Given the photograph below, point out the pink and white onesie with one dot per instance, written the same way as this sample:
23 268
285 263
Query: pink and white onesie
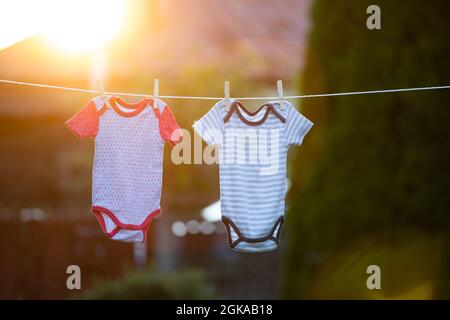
128 161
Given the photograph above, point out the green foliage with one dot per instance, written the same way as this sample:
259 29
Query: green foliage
150 285
344 274
384 159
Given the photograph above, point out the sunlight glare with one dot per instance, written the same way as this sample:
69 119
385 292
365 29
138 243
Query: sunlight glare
80 25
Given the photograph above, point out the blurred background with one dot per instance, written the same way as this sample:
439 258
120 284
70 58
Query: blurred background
369 186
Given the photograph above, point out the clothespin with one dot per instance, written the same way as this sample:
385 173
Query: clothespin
155 93
227 94
280 93
104 95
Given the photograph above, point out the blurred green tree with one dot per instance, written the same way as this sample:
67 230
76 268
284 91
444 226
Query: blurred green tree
190 284
384 160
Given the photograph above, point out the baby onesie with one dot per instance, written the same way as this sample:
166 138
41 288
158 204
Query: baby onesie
252 164
128 161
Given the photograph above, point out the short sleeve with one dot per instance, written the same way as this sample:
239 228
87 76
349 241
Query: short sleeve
84 123
297 126
169 129
211 126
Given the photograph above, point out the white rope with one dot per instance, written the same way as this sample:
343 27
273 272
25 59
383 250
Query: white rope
220 98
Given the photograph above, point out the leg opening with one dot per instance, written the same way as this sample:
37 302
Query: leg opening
117 230
233 232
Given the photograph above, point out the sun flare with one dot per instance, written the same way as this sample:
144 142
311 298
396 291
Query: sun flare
80 25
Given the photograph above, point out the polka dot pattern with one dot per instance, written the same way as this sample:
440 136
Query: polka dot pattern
85 123
128 163
169 126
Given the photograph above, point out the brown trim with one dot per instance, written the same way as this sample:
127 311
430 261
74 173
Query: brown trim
237 106
275 237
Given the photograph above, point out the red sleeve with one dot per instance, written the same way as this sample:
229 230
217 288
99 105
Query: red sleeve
84 123
168 127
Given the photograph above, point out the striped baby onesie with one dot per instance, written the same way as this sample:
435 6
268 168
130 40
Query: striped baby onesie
252 163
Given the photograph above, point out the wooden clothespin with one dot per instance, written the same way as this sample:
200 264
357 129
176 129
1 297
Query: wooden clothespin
155 93
280 93
104 95
227 95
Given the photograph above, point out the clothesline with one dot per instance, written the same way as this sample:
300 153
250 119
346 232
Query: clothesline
351 93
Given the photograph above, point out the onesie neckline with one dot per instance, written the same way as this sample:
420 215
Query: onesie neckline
137 107
237 106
